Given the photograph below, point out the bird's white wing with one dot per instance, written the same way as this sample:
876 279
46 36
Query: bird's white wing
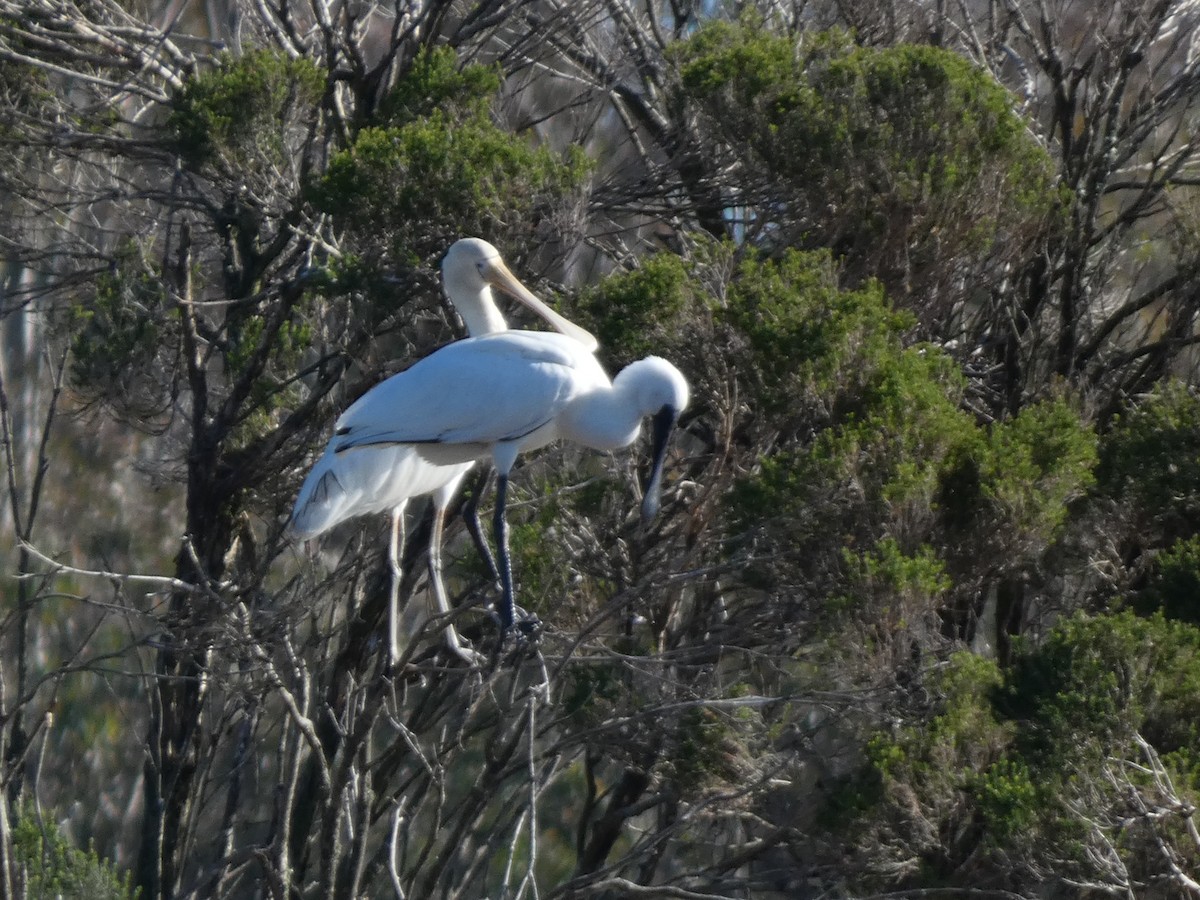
477 391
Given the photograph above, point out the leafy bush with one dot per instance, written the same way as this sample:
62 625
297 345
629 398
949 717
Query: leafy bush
633 313
1174 584
909 162
1041 772
1020 476
1150 459
808 337
436 167
123 337
233 114
53 868
1095 681
913 806
435 84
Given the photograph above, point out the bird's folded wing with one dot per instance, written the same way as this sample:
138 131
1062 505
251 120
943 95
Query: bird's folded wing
476 391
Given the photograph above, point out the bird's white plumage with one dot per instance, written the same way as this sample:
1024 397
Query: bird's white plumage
385 468
342 486
493 395
484 390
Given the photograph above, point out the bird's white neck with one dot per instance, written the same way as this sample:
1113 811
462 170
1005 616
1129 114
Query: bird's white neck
603 420
610 417
479 312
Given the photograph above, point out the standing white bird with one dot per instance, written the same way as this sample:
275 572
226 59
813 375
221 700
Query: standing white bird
384 477
497 395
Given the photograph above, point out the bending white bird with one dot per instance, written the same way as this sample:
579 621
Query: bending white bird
384 477
497 395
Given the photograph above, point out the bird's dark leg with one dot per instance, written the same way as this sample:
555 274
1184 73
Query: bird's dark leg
500 527
529 624
470 514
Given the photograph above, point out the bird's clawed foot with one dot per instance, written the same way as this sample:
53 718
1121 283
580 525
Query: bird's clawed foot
529 627
522 634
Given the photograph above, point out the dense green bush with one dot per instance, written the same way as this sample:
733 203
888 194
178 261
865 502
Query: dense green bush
1150 460
434 167
1174 583
51 867
1033 772
908 162
124 335
233 116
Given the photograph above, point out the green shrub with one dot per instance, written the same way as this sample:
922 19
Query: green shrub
1150 459
434 166
632 313
435 84
122 332
53 868
908 161
1095 681
232 114
1037 769
1174 584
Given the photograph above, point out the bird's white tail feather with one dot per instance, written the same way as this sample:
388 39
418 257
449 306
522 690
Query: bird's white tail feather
363 481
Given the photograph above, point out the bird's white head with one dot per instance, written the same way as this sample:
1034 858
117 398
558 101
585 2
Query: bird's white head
471 268
655 384
661 392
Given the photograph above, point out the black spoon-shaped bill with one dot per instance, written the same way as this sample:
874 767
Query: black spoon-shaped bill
663 423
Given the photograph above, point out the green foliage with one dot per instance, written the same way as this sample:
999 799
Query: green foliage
438 166
436 84
920 120
399 179
888 569
864 428
895 434
1024 472
631 313
901 158
873 458
1150 459
888 415
1003 767
233 112
1007 798
1096 680
1174 587
56 869
1043 457
962 734
927 771
121 334
807 336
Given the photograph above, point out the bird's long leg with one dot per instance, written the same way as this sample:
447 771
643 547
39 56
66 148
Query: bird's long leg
470 514
435 580
500 527
395 547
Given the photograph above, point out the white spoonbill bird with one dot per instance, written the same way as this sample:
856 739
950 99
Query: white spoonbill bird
385 476
497 395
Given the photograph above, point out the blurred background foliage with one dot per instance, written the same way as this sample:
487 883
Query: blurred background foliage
919 614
